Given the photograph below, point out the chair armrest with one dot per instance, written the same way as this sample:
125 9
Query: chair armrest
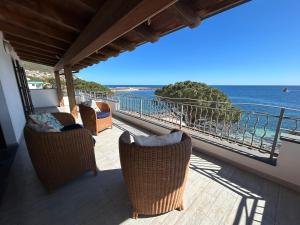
64 118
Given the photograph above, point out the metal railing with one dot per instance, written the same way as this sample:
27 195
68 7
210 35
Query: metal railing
255 126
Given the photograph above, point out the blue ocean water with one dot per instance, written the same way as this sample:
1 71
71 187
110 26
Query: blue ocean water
267 95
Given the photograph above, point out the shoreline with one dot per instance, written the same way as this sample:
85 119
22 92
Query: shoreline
127 89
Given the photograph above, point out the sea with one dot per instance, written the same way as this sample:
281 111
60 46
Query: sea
261 99
260 95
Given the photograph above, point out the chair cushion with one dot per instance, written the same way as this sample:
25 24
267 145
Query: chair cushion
46 119
92 104
101 115
152 141
71 127
39 127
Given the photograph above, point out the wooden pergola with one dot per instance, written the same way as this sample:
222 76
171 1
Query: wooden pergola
71 35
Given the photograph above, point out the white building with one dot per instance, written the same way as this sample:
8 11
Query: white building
35 84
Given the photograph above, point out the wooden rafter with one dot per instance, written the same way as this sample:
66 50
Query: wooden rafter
146 33
39 61
30 23
34 49
49 12
122 44
28 43
36 54
111 22
20 32
188 16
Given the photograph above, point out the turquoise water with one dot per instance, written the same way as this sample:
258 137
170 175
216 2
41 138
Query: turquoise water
260 98
269 95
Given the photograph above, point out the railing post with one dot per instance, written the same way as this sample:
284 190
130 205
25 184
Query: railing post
141 108
181 117
277 132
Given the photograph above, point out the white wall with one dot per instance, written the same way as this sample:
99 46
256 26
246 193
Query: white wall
44 98
12 117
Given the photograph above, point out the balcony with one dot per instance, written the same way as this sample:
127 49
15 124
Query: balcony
216 193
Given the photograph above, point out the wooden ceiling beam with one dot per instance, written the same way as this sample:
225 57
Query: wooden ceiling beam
92 5
30 48
28 43
122 44
48 12
18 31
38 61
108 52
146 33
35 24
111 22
98 57
89 61
186 14
36 54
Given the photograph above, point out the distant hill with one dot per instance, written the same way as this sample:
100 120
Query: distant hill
38 67
43 73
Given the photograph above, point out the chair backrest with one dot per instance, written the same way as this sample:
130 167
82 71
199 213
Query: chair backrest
103 106
152 173
88 116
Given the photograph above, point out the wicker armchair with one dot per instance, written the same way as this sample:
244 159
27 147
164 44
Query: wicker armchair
89 118
155 176
58 157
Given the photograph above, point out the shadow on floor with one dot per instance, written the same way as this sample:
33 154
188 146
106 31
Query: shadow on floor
258 198
89 199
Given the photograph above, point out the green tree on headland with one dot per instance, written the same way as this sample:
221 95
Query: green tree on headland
200 101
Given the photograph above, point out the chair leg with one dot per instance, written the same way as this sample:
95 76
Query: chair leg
135 215
180 208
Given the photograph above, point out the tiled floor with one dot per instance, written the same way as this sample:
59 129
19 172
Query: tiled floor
216 193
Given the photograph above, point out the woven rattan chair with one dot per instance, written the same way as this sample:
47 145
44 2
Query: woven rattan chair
155 176
58 157
89 117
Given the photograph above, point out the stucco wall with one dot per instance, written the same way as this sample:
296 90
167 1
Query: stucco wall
44 97
11 113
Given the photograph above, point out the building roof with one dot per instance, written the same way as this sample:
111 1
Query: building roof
80 33
35 82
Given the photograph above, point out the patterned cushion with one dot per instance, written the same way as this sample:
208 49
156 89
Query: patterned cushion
47 119
101 115
39 127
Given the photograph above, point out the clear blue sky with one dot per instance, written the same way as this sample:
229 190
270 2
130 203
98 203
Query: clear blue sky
255 43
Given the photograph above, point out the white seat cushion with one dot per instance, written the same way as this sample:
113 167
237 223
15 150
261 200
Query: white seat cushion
92 104
152 141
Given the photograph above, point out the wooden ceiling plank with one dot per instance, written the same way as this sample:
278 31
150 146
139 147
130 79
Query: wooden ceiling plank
33 48
49 12
122 44
36 25
108 52
33 44
28 59
32 36
146 33
186 14
37 53
30 55
110 22
98 57
92 5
